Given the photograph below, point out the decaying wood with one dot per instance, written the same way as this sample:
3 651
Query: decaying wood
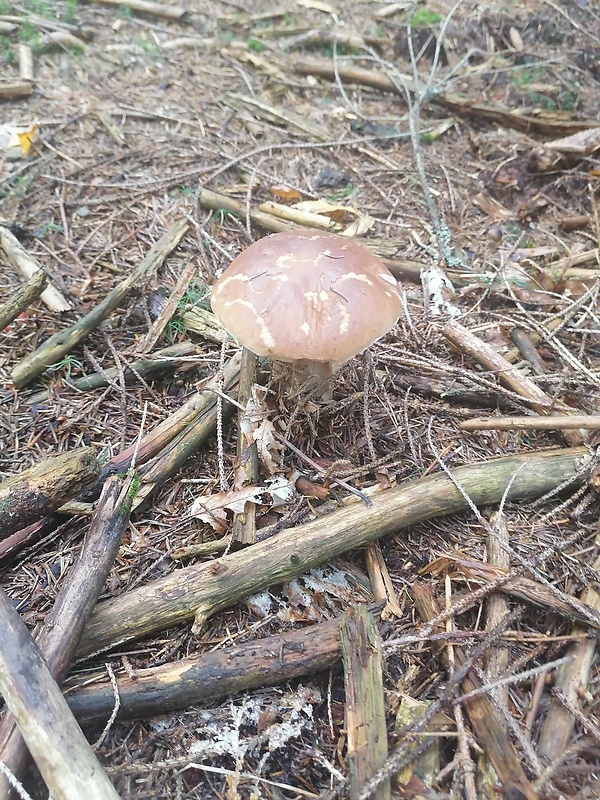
522 588
365 706
209 677
497 605
201 590
458 104
20 259
205 324
27 535
23 298
165 360
572 680
381 581
37 491
15 89
485 354
62 628
487 727
589 422
61 343
63 756
244 523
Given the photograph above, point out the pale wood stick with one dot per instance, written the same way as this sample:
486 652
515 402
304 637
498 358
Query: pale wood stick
554 422
25 62
23 298
572 680
19 258
497 605
35 492
163 10
485 354
365 706
305 218
55 740
244 523
15 89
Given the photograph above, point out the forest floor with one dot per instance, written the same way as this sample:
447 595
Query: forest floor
460 143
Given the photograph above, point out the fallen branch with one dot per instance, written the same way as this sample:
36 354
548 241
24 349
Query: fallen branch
525 589
20 259
23 298
488 729
484 354
206 678
63 756
458 104
165 360
162 10
15 89
365 706
58 345
37 491
571 683
203 589
63 626
589 422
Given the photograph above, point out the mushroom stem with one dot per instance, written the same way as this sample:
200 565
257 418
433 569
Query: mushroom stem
311 373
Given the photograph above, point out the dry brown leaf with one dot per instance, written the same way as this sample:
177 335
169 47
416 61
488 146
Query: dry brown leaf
213 508
285 193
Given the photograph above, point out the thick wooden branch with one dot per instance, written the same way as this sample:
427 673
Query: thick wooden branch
365 705
209 677
37 491
203 589
63 756
63 626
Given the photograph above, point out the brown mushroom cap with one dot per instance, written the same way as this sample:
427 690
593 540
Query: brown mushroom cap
306 295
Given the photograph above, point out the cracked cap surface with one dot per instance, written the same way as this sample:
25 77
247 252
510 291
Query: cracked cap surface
306 295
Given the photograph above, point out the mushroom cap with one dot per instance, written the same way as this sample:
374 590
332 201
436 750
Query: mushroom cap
306 295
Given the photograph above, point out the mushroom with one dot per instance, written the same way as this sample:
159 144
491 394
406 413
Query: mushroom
306 297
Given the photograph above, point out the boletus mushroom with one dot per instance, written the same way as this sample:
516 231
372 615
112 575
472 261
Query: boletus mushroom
310 298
